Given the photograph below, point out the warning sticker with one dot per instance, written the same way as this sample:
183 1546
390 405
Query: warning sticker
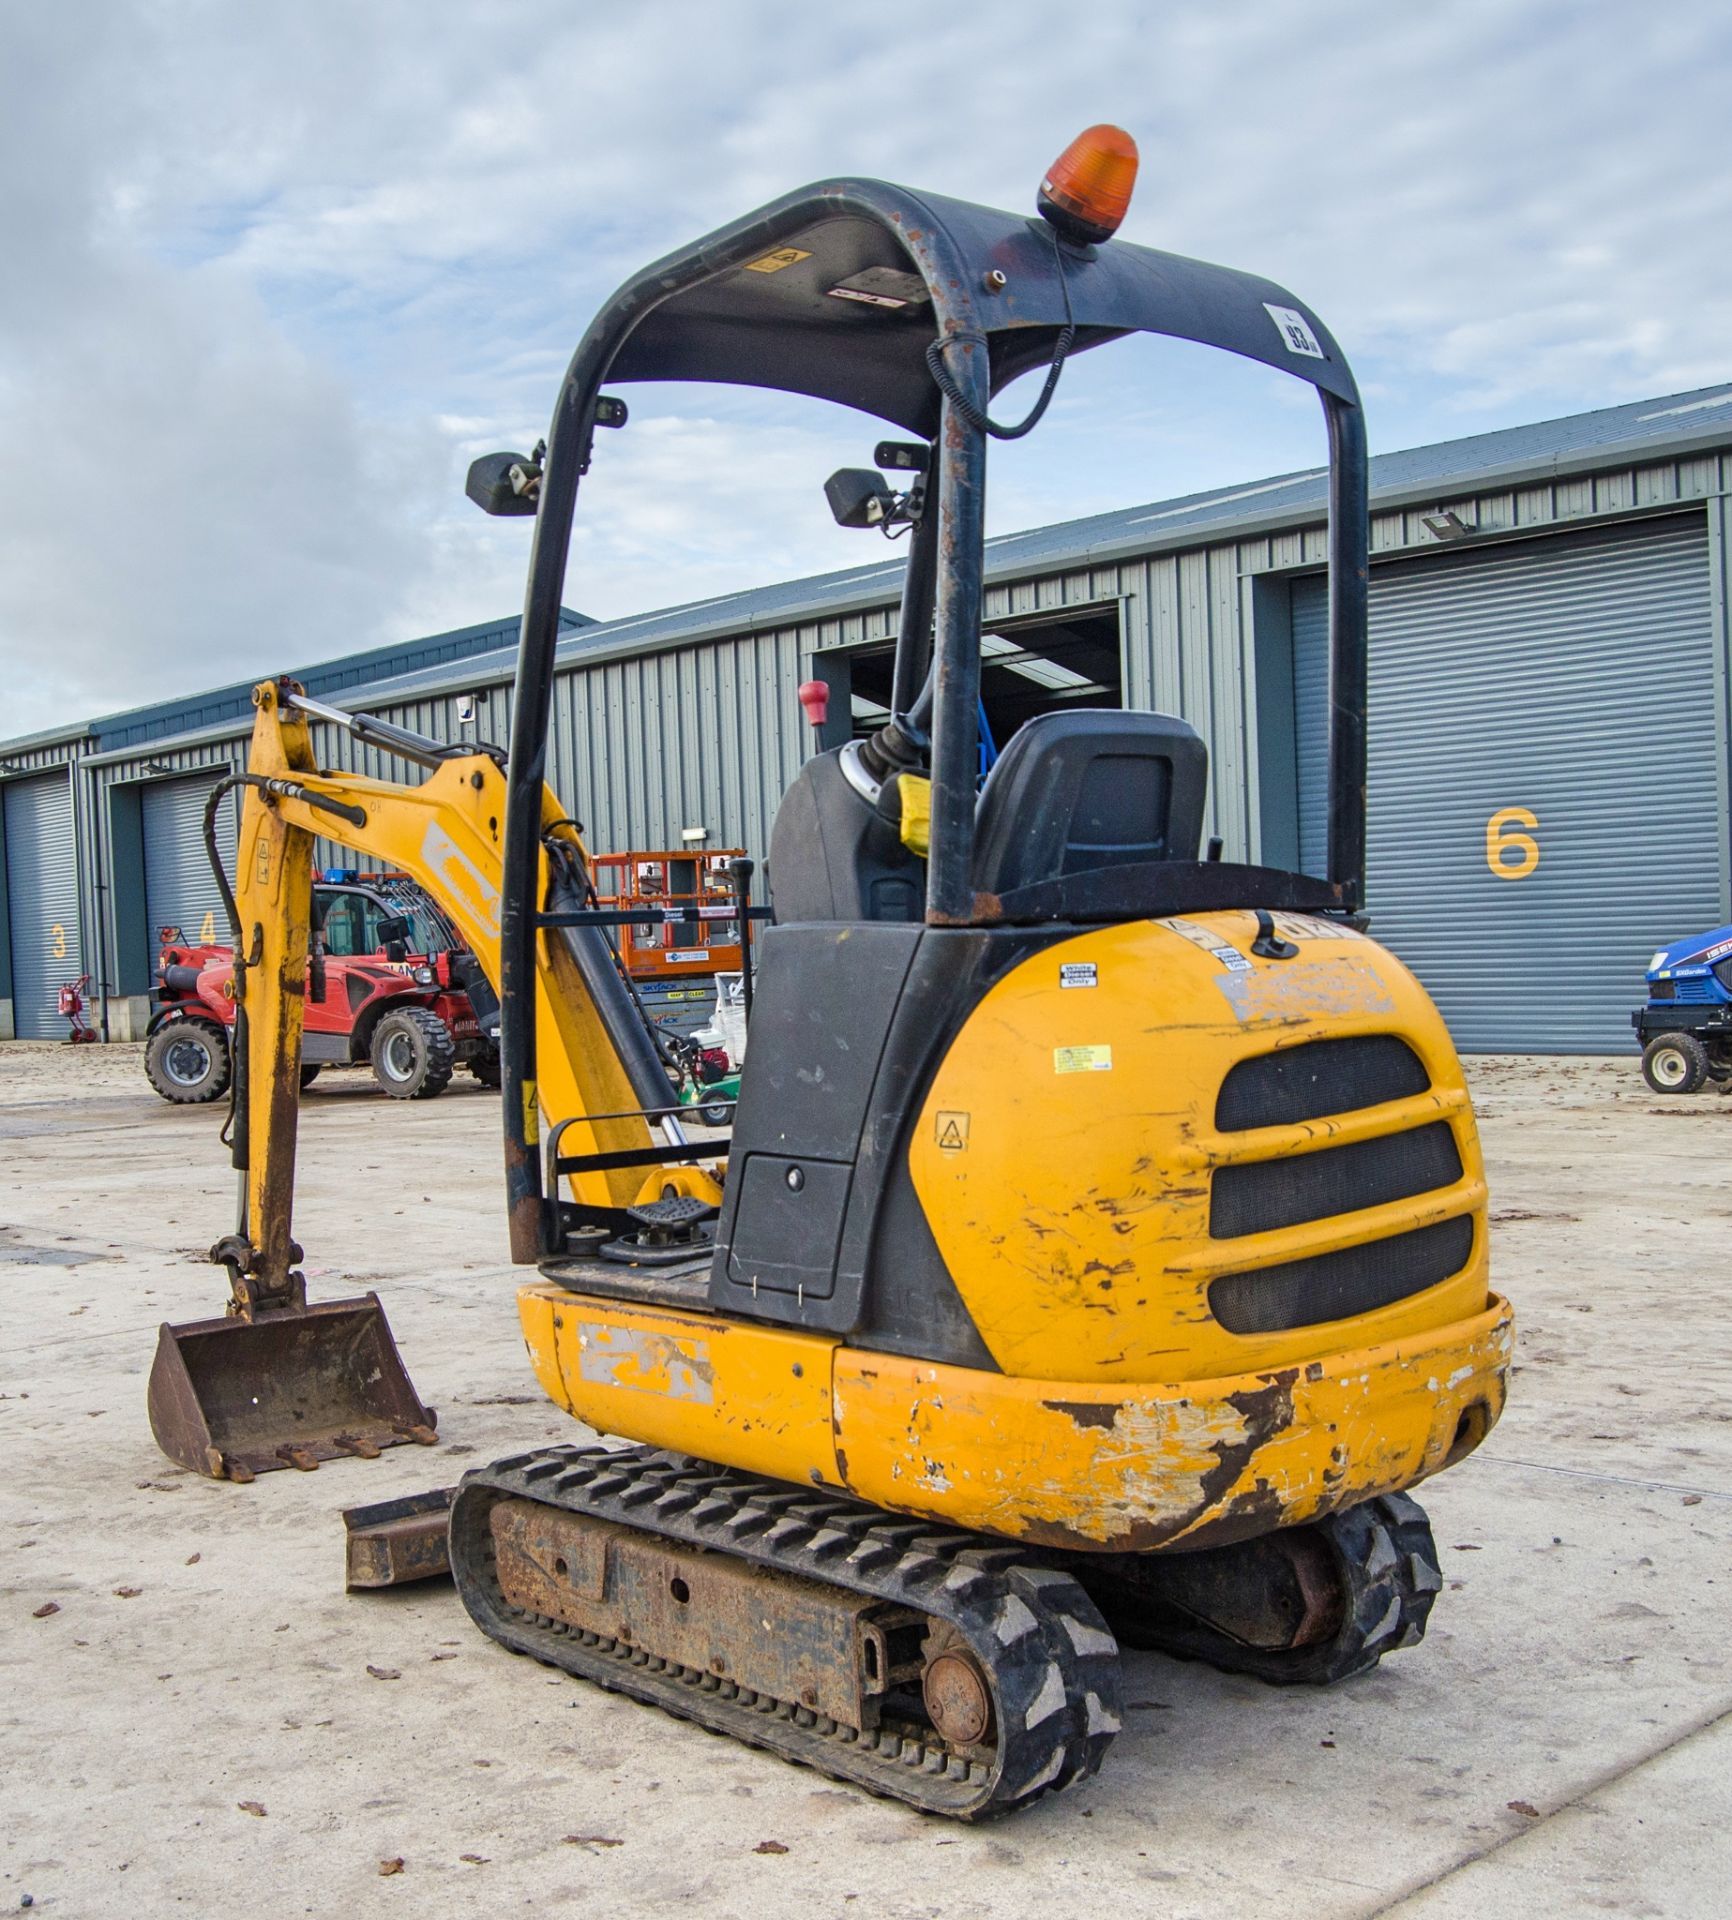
1078 973
1295 331
952 1132
882 287
1082 1059
775 262
1231 959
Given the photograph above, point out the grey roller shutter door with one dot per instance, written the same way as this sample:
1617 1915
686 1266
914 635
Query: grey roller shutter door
42 902
179 888
1573 678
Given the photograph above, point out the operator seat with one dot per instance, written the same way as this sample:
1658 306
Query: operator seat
1089 788
1071 791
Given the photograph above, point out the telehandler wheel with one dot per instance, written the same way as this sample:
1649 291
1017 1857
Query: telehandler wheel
1675 1063
486 1067
188 1062
310 1074
413 1054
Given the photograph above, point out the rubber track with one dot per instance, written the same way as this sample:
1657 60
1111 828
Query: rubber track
1388 1567
1053 1665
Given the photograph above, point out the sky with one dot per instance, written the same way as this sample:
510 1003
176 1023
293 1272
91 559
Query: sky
271 277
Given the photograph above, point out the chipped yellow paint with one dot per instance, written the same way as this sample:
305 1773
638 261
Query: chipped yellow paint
756 1397
1076 1226
1099 1466
1138 1467
637 1361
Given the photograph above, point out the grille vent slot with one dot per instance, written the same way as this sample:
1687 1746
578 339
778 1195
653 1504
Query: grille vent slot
1340 1286
1316 1079
1265 1194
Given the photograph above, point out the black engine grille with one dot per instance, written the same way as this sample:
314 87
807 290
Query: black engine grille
1265 1194
1662 989
1318 1078
1337 1286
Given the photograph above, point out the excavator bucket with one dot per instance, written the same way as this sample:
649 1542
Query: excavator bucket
242 1396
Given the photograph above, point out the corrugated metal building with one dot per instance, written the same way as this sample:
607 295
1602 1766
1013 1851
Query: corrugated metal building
1549 778
101 831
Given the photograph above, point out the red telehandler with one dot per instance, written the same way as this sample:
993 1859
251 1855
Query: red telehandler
389 985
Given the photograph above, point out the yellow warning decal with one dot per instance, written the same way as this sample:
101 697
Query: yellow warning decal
1082 1059
531 1114
952 1132
775 262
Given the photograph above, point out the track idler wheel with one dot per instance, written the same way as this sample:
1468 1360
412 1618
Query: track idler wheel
1304 1606
956 1691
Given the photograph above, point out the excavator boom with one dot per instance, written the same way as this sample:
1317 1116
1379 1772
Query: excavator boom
277 1382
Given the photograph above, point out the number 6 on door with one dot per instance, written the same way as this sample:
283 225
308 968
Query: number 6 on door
1502 841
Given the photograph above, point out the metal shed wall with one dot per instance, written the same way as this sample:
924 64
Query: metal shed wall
698 725
711 734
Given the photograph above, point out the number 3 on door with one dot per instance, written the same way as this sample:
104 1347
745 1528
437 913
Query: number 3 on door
1511 855
57 936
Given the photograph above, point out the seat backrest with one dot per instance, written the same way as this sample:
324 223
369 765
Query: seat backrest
1089 788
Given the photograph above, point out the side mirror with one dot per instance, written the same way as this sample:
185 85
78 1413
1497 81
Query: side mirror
504 483
858 497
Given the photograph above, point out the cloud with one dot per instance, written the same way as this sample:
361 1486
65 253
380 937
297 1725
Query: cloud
272 276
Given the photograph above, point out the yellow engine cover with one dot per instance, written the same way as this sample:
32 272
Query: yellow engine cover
1065 1158
1065 1154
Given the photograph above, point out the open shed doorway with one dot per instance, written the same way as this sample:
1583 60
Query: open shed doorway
1027 667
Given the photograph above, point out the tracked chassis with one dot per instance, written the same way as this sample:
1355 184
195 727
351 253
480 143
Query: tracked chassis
959 1674
954 1604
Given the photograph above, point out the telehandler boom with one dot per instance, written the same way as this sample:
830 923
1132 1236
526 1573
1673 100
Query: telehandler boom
1099 1254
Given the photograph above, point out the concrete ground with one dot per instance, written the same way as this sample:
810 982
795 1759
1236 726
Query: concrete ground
206 1724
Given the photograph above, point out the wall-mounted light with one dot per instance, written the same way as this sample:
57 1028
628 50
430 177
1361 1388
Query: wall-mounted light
1445 524
694 835
156 767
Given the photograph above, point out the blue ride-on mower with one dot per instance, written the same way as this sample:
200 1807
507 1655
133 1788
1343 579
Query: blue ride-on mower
1685 1029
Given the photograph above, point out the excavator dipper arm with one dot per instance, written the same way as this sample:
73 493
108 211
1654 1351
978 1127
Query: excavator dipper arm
279 1382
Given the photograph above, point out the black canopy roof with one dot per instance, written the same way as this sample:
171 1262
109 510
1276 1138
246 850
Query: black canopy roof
856 277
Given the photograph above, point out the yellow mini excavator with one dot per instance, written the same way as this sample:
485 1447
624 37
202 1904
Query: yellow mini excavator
1098 1254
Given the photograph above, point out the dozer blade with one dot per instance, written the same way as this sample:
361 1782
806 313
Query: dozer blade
238 1397
394 1542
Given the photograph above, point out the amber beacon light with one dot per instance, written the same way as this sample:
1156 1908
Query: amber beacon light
1087 190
